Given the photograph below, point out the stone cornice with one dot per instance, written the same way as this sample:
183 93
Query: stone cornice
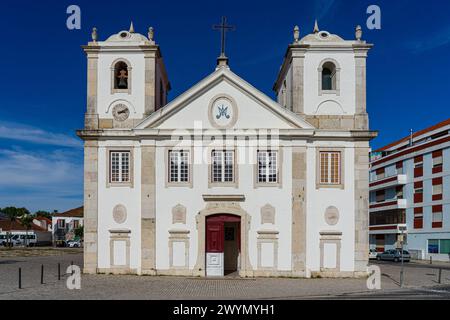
120 231
223 198
138 48
284 134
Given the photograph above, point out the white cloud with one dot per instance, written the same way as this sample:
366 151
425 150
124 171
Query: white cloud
16 131
41 180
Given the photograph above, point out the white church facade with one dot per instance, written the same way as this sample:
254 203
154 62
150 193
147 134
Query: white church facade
223 179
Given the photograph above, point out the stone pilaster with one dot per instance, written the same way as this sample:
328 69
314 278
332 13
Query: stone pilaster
298 69
299 211
361 206
148 214
90 207
150 82
361 117
91 117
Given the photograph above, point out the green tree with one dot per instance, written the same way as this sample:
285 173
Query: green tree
11 213
22 212
42 213
79 232
27 221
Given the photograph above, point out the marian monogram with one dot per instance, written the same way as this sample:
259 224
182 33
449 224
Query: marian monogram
223 111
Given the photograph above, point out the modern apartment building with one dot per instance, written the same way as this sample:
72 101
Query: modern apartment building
410 186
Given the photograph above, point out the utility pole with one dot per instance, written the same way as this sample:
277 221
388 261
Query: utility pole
403 230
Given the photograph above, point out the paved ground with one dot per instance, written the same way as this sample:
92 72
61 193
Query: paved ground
36 252
420 283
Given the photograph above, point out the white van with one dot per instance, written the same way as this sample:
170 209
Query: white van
29 239
18 239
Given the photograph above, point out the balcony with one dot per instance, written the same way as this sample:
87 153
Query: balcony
386 229
388 205
393 181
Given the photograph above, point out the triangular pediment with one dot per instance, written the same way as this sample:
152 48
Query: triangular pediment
223 100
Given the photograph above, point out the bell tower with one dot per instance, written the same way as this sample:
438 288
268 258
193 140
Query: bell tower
323 79
127 79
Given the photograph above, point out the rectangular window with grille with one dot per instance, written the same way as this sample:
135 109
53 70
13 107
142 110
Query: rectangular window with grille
267 167
120 166
330 168
222 166
179 166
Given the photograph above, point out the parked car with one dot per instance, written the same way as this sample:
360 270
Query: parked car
73 244
373 254
394 255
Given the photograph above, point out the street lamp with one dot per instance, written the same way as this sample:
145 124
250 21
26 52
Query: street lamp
403 230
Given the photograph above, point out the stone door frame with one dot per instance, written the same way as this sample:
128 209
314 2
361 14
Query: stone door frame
228 206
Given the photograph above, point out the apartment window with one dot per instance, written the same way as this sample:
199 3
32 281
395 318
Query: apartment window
330 168
418 218
439 246
418 192
381 173
437 217
267 167
222 166
179 166
75 224
120 166
399 192
418 166
380 196
399 167
437 158
438 161
437 189
418 162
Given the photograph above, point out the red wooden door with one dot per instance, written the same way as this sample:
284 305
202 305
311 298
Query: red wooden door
215 237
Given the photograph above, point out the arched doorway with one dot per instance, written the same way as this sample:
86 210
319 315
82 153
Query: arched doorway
223 245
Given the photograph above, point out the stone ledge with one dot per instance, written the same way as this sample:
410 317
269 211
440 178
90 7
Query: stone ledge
339 274
223 198
117 271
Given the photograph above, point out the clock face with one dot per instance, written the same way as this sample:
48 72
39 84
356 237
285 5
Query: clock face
223 112
121 112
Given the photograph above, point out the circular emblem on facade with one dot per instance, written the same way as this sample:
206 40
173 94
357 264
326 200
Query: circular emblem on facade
120 214
121 112
223 112
332 216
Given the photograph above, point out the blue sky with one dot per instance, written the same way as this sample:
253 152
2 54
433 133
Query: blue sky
43 89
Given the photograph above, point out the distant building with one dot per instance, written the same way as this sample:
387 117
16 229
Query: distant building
410 185
43 222
65 224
